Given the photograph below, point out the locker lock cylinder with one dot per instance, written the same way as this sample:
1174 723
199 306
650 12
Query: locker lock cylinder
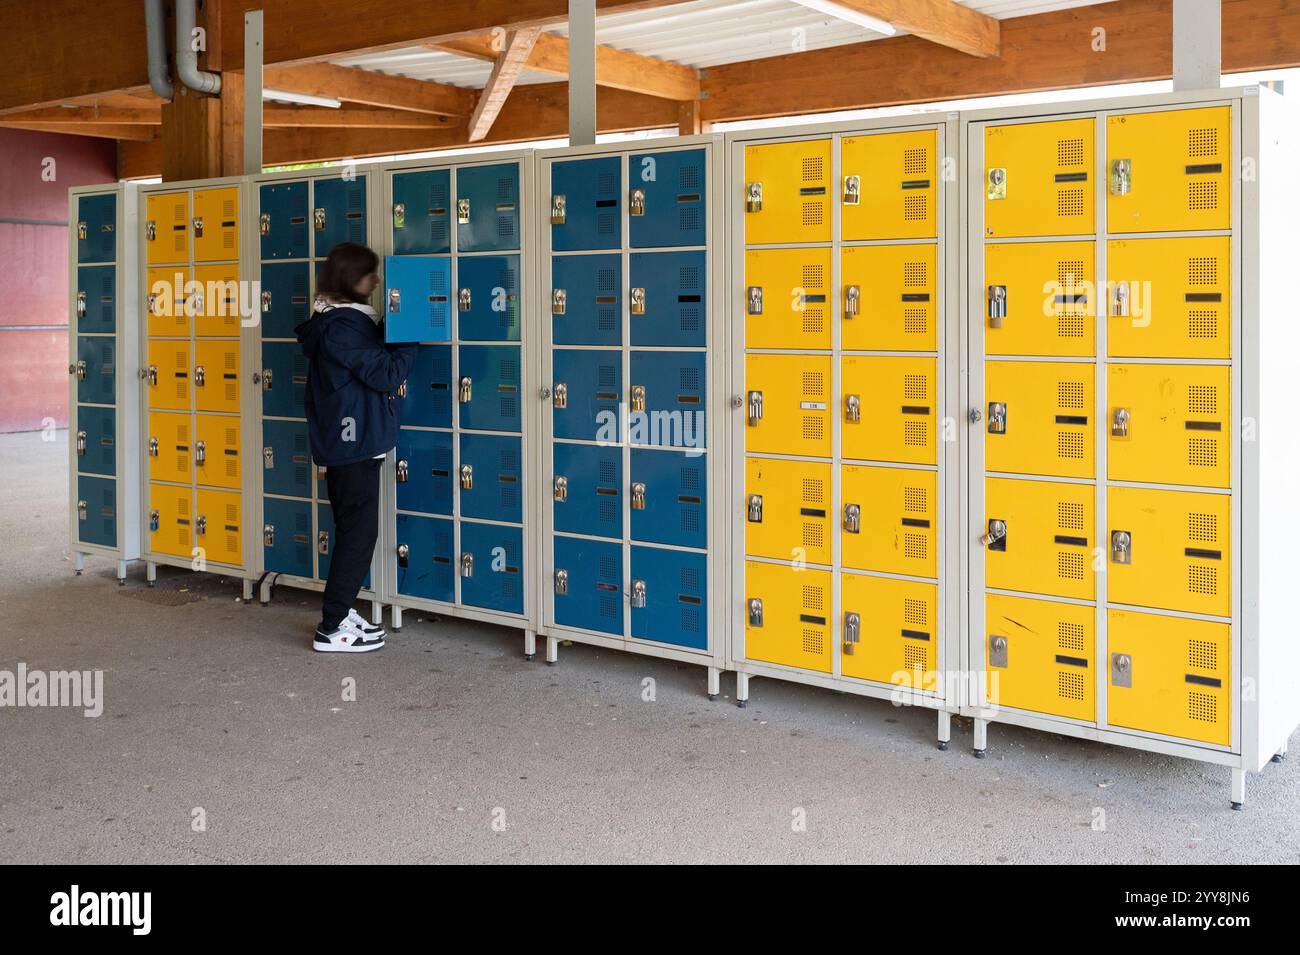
852 518
754 300
637 594
754 608
1121 547
79 369
467 476
403 472
852 300
755 402
403 555
997 532
268 458
997 417
561 582
1121 670
268 535
852 190
1119 422
852 631
638 496
636 203
997 305
755 509
560 488
852 408
559 206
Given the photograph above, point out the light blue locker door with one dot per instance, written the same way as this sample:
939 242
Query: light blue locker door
424 479
286 536
284 380
672 507
588 192
96 385
338 213
668 298
488 387
586 300
417 300
96 301
491 567
672 199
97 510
286 459
325 540
676 604
491 477
588 585
587 490
424 557
97 228
487 207
282 222
286 300
96 439
421 211
487 300
425 399
586 389
674 414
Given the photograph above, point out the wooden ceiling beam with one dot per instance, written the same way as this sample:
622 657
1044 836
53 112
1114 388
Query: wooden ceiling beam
121 131
370 88
945 22
505 72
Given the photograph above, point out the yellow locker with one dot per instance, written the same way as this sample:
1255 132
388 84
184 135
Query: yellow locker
888 409
787 193
216 450
216 224
1170 549
1040 299
1170 424
1170 298
1039 656
788 510
1170 675
787 404
216 307
168 375
889 631
216 375
165 301
1038 537
786 616
888 297
888 520
169 446
1038 418
167 228
1038 179
1169 171
170 520
890 188
788 298
217 527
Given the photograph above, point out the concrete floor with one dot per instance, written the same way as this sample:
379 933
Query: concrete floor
216 706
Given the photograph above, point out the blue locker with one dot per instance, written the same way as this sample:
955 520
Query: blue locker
488 387
97 228
286 459
421 211
668 298
587 300
491 567
667 199
487 301
672 508
286 297
97 510
674 384
417 300
585 393
585 195
96 440
676 604
325 543
96 385
588 585
423 471
282 223
286 536
339 214
587 490
284 380
96 298
424 557
425 399
487 207
494 477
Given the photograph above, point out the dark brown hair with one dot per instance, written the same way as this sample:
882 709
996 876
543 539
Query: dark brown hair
347 265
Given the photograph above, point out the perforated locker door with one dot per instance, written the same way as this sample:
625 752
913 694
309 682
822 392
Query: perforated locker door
889 520
897 416
1039 179
171 520
488 387
786 192
97 384
491 566
215 224
425 563
424 471
1039 656
674 385
97 228
586 207
586 300
588 584
788 298
888 297
1040 298
284 380
1170 424
492 488
889 631
216 375
667 199
338 213
1047 544
1039 418
96 300
668 491
791 518
587 489
586 391
96 440
218 526
1170 298
168 375
417 299
792 399
787 616
216 450
164 301
676 607
217 311
487 207
424 399
421 211
282 221
97 519
286 460
890 186
1170 675
167 228
668 298
286 537
170 459
285 301
487 298
1169 171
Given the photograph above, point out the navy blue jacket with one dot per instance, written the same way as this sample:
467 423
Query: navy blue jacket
351 408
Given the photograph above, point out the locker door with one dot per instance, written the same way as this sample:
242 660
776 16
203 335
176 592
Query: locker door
492 488
417 300
285 299
1170 298
422 212
282 223
96 440
216 450
668 298
168 375
669 601
890 187
216 375
787 192
286 462
896 417
587 490
488 298
216 224
787 298
889 520
1170 549
217 312
1040 656
667 202
96 300
669 496
786 616
1038 418
888 297
586 211
325 540
286 536
1039 179
1169 171
170 520
424 478
889 631
487 207
1040 298
787 510
1046 547
165 301
1170 424
98 383
587 300
488 387
167 229
788 405
97 228
218 526
588 584
284 380
97 511
424 558
338 214
586 392
674 387
424 399
169 445
491 567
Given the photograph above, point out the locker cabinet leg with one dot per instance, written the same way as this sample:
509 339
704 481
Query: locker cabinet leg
530 644
742 690
264 594
78 563
376 612
945 729
121 573
248 590
397 618
1238 788
981 738
715 682
552 651
151 574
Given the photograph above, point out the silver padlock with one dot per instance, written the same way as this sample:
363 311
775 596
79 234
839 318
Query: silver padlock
267 379
561 582
997 417
852 518
755 510
638 398
998 651
852 631
462 211
852 300
1121 300
638 301
82 508
997 531
199 376
754 607
323 542
153 447
1121 670
403 555
638 496
81 304
81 443
198 227
1119 422
560 488
559 206
852 408
150 230
754 197
996 298
636 203
264 223
200 452
559 301
466 299
201 525
399 215
266 300
1121 177
467 564
394 301
754 401
637 595
560 395
466 389
81 371
318 218
150 374
1121 547
754 300
403 472
852 190
268 458
268 535
467 477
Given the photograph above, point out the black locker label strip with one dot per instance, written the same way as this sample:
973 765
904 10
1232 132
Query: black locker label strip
916 184
1071 541
689 499
688 599
915 634
355 215
689 197
688 399
1203 680
1071 661
1203 297
916 296
1079 419
813 299
812 512
606 203
689 299
915 522
813 191
1070 177
606 299
297 220
810 618
1203 425
608 588
1200 553
1203 169
607 491
916 409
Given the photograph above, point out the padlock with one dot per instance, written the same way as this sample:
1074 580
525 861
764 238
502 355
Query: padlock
638 496
153 517
466 389
151 374
560 488
1121 300
200 452
268 458
754 300
995 535
1121 177
199 376
81 443
462 211
561 582
1119 422
81 231
852 190
403 472
267 379
467 564
81 371
465 298
638 398
755 608
201 525
264 224
560 395
318 218
852 630
852 300
637 595
997 183
852 408
996 297
81 304
403 555
754 401
755 510
558 207
636 203
82 509
638 301
323 542
467 477
268 535
754 197
266 300
401 389
198 227
1121 547
559 301
153 447
394 301
399 215
997 417
150 230
852 518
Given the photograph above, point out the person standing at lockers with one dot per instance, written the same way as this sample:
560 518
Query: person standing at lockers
352 422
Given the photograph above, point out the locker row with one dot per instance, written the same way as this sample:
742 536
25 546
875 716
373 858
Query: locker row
288 543
203 301
200 225
202 375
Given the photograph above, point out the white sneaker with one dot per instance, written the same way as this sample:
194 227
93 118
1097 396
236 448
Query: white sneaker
371 630
348 638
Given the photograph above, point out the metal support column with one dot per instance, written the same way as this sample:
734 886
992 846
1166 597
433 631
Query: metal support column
582 72
253 93
1198 44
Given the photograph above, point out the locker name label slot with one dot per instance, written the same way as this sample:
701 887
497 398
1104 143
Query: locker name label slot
809 618
1072 661
915 634
1203 680
1202 554
812 406
916 409
1203 425
1070 177
1203 169
1071 541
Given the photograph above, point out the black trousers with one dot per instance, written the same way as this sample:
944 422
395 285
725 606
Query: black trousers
354 499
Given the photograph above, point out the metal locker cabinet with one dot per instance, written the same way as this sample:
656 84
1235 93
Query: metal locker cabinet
487 207
1046 542
491 477
586 208
1170 298
787 612
169 446
588 584
167 228
487 300
286 460
218 525
1169 171
1170 675
286 537
491 566
1040 298
889 520
1039 179
97 377
668 491
170 520
424 466
284 380
167 375
421 212
890 186
215 224
1170 424
282 222
217 307
286 301
424 557
788 299
417 299
97 228
788 405
216 450
96 440
671 586
895 416
669 387
1038 418
787 510
667 298
586 393
487 388
424 399
787 192
325 540
888 297
889 631
1040 656
586 490
216 375
1171 550
164 297
667 200
338 213
96 300
97 510
586 300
